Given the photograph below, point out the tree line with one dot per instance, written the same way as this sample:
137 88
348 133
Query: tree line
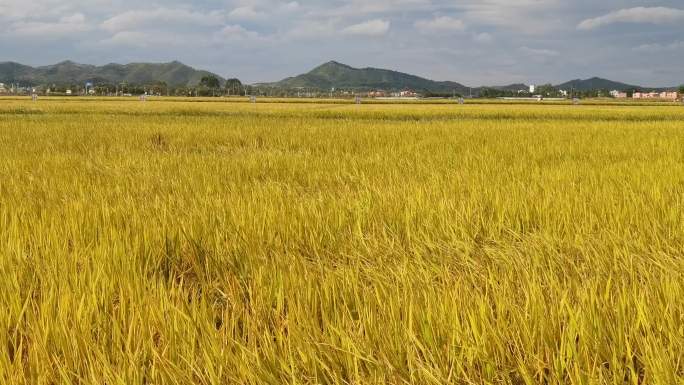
207 86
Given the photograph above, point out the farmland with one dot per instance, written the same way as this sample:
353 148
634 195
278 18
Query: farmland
180 242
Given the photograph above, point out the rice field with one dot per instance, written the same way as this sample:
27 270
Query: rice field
223 242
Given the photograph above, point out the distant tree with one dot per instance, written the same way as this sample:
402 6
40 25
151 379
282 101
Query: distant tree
234 86
435 94
548 90
185 91
489 93
100 89
681 89
210 82
159 88
251 90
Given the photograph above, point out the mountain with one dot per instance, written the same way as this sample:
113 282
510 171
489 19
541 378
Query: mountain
595 84
338 75
175 74
11 70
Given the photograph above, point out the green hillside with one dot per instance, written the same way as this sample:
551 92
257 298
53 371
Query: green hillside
338 75
175 74
595 84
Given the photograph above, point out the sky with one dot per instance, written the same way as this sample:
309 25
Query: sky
474 42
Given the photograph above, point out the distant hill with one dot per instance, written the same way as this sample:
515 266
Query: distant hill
596 84
338 75
323 77
175 74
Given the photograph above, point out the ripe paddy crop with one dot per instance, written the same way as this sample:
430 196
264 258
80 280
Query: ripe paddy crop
178 242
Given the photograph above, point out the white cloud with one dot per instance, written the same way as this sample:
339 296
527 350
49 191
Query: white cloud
65 26
527 16
128 38
139 39
245 13
484 38
674 46
148 39
289 7
76 18
312 30
377 27
165 17
539 52
236 32
652 15
42 9
441 24
356 8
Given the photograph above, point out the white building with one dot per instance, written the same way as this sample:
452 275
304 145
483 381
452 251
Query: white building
671 95
533 88
3 90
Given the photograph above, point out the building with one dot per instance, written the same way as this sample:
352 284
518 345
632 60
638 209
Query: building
3 90
646 95
669 95
377 94
408 94
533 88
618 94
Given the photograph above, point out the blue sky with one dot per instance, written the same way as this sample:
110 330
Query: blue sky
475 42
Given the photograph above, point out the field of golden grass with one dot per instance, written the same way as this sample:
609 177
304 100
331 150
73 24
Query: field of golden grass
179 242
